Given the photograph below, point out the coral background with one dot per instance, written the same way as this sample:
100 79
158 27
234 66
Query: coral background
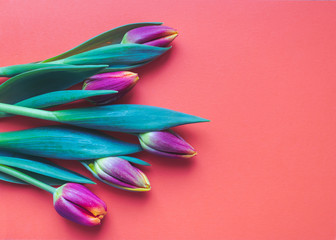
262 72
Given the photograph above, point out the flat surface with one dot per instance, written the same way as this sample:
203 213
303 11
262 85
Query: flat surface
263 72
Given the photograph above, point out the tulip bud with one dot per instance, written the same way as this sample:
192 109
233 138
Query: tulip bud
120 173
159 36
122 82
166 143
77 203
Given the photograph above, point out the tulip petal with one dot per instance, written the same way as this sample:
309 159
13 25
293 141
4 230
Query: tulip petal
82 196
77 203
75 213
121 170
159 36
98 173
165 154
122 82
162 42
105 176
167 141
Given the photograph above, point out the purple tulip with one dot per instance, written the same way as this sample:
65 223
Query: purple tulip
122 82
159 36
121 174
77 203
166 143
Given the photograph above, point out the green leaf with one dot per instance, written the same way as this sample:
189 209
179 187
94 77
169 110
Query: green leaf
65 142
117 56
44 80
57 98
39 168
112 36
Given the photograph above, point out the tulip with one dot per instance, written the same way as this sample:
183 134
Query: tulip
122 82
159 36
71 200
166 143
77 203
119 173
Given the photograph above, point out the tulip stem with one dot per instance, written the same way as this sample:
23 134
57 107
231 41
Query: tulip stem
24 177
28 112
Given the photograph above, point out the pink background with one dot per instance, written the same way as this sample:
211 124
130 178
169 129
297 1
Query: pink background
263 72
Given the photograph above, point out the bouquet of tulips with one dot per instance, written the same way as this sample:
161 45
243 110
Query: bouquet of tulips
102 64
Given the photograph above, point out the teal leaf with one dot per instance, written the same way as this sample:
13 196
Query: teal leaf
13 70
39 168
5 153
61 97
120 68
44 80
129 118
112 36
57 98
65 142
117 56
42 178
127 158
44 168
135 160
